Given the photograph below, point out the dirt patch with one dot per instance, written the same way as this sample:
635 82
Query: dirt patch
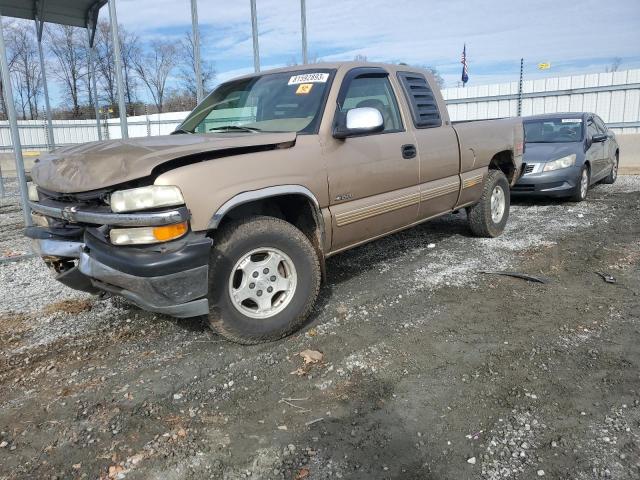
72 307
429 369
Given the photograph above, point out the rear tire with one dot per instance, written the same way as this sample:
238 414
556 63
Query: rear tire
264 278
488 217
582 188
613 175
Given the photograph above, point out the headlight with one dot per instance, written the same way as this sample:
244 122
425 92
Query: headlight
564 162
33 192
143 198
146 235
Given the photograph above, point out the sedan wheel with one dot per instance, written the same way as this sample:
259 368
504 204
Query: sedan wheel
583 187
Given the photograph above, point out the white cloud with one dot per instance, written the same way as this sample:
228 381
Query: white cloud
496 32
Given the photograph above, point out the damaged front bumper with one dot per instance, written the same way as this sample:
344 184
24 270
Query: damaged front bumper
171 278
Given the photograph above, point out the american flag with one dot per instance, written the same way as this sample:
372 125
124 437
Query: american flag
463 61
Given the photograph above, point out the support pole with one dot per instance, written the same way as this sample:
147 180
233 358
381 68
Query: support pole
52 142
303 23
92 79
13 124
117 57
196 51
254 31
520 87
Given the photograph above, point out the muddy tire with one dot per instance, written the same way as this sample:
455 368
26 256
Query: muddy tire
264 278
582 188
488 217
613 175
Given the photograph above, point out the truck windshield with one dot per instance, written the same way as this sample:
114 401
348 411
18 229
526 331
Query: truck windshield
553 130
274 102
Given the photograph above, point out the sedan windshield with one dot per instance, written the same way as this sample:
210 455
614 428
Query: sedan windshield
275 102
553 130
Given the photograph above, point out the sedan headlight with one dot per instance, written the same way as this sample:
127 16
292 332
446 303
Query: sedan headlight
143 198
32 189
564 162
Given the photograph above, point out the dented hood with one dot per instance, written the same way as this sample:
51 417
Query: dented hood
96 165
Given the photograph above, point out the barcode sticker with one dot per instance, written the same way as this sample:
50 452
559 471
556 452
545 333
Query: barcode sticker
309 78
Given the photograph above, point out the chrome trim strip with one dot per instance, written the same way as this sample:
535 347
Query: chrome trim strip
252 195
150 219
57 248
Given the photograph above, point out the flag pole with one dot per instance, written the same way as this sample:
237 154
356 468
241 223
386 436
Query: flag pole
520 88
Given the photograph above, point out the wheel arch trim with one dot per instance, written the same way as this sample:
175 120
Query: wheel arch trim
264 193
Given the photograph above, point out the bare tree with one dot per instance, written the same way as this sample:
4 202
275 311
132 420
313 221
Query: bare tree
105 64
436 74
187 70
155 67
8 28
615 64
311 59
70 63
27 76
433 70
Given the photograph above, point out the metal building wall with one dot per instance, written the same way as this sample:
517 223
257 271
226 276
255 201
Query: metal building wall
615 96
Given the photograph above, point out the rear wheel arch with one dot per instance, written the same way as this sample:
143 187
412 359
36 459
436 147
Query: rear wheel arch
503 161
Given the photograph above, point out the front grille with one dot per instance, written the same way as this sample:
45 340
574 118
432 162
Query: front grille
93 199
529 168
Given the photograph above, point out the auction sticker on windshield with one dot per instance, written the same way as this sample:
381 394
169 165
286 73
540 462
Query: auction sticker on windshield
571 120
309 78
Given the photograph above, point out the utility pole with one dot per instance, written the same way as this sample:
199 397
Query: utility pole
117 56
303 23
520 87
196 50
13 128
254 31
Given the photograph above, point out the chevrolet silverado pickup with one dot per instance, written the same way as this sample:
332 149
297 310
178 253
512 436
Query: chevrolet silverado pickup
233 215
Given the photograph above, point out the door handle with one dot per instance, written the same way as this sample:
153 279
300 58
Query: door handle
409 151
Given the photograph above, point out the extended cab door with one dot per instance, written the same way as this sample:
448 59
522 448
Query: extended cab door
439 180
373 177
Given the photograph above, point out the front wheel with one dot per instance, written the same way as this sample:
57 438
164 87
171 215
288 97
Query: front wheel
582 188
264 278
488 217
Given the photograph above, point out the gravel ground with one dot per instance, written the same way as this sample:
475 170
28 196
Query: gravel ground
431 370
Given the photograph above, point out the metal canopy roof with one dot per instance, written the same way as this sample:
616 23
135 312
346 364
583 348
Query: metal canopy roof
76 13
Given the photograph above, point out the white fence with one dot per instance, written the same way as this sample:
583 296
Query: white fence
34 134
614 96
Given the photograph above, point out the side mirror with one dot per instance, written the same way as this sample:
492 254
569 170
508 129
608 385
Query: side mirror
599 138
358 121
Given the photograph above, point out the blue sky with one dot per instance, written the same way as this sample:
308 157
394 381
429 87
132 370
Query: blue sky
574 36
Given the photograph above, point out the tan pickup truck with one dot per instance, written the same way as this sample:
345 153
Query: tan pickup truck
233 215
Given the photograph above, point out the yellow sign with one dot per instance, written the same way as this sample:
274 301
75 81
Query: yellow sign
304 88
544 66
